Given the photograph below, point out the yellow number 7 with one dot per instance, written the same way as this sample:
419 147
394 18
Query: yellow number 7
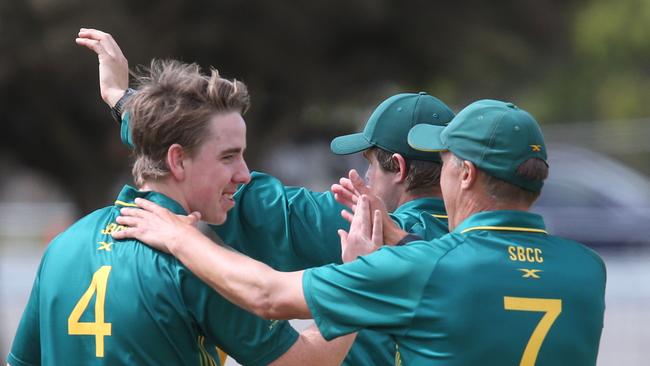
97 328
552 309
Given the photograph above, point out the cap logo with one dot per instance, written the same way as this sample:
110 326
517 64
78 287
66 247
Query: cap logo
536 147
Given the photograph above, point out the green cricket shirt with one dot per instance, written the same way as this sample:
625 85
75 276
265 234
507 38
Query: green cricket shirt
292 228
498 290
425 217
96 301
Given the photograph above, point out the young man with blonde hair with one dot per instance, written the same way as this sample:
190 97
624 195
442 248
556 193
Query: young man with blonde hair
100 301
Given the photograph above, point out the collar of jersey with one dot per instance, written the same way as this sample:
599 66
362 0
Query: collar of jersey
128 195
434 206
512 221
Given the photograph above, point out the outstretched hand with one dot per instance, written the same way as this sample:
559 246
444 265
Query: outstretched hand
365 234
347 193
348 190
113 66
156 226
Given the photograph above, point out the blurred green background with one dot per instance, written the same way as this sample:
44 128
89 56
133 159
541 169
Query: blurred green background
315 69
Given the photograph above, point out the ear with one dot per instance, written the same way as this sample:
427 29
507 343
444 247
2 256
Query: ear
401 165
469 175
175 159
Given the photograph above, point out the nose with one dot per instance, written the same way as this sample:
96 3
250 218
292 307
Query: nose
242 175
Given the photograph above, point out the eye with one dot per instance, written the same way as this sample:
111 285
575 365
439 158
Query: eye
229 157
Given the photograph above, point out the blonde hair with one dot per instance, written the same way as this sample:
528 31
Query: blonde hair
174 104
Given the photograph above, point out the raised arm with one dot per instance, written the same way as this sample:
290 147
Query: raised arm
113 66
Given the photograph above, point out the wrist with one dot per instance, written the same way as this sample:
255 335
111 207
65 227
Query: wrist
117 108
181 243
113 96
394 235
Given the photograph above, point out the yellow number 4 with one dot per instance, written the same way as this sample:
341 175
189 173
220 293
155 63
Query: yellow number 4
97 328
551 309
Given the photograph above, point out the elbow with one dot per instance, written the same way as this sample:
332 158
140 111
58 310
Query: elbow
268 307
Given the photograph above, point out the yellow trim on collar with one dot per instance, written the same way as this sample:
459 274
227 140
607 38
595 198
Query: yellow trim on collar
122 203
440 216
505 228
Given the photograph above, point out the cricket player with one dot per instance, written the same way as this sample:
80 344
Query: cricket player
497 290
293 228
96 301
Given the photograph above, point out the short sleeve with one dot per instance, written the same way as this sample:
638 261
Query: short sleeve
244 336
380 291
288 228
26 348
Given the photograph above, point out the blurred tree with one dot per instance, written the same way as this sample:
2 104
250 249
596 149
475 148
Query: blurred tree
309 65
605 76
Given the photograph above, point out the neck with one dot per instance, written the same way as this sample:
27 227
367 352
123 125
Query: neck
409 196
474 204
170 190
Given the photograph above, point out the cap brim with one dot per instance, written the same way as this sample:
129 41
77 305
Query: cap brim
424 137
350 144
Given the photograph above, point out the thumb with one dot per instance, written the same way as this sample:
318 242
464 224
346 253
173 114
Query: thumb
195 217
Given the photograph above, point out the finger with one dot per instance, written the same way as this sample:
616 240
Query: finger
343 235
361 221
377 229
347 185
129 221
150 206
92 33
196 217
347 215
358 183
91 44
343 196
105 39
127 233
135 212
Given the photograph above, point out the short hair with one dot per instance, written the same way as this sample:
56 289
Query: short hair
421 175
533 169
174 104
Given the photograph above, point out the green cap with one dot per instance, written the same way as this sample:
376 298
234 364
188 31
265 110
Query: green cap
496 136
389 124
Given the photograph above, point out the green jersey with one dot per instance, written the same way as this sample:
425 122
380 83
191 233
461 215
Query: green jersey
292 228
425 217
96 301
498 290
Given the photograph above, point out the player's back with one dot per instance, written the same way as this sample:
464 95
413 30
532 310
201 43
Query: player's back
507 295
113 303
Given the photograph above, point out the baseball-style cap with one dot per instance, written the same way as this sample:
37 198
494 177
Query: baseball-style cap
389 124
496 136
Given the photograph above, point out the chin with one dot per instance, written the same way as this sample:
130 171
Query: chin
215 218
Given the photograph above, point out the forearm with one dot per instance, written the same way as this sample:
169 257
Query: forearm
312 349
246 282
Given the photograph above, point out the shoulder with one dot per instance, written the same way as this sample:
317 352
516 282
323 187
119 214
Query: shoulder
578 251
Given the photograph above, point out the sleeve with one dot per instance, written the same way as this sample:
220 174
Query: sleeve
288 228
380 291
125 131
26 348
244 336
